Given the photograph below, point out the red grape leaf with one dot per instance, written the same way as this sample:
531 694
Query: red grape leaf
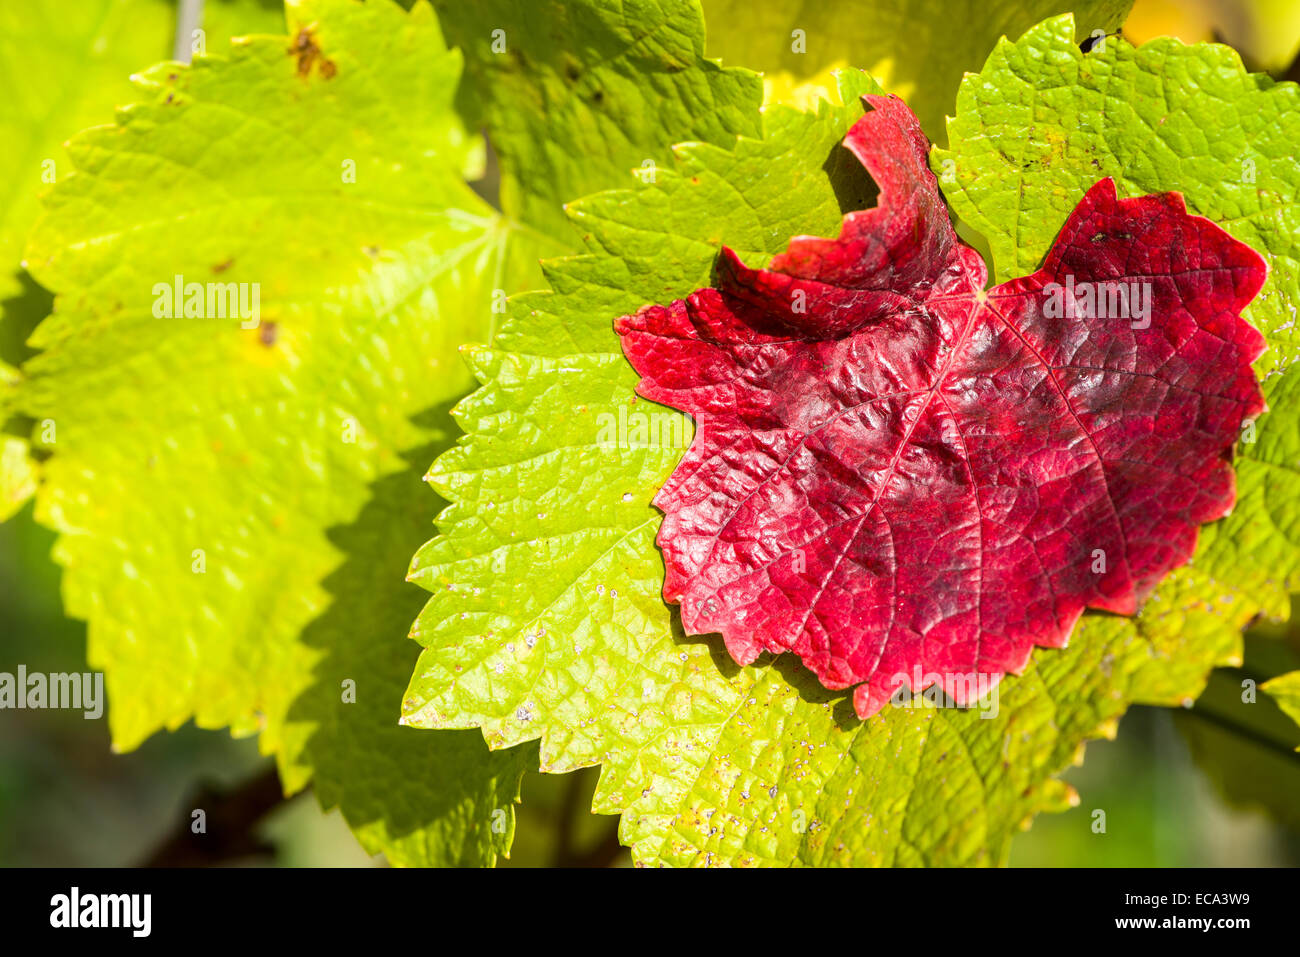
906 479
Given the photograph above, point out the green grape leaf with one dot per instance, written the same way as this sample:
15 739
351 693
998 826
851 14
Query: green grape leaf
546 621
221 486
326 167
223 19
75 68
579 96
66 68
17 475
918 51
1285 690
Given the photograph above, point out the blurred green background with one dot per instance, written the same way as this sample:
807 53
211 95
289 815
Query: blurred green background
1212 785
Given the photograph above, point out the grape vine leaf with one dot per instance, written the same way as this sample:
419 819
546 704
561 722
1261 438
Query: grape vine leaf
223 19
272 651
17 475
902 477
75 67
1285 690
546 621
1044 120
577 96
918 50
207 475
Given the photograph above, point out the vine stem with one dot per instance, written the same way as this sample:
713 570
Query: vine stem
1224 723
189 16
231 819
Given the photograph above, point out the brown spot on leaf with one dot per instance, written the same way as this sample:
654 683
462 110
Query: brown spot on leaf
267 334
309 54
221 267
